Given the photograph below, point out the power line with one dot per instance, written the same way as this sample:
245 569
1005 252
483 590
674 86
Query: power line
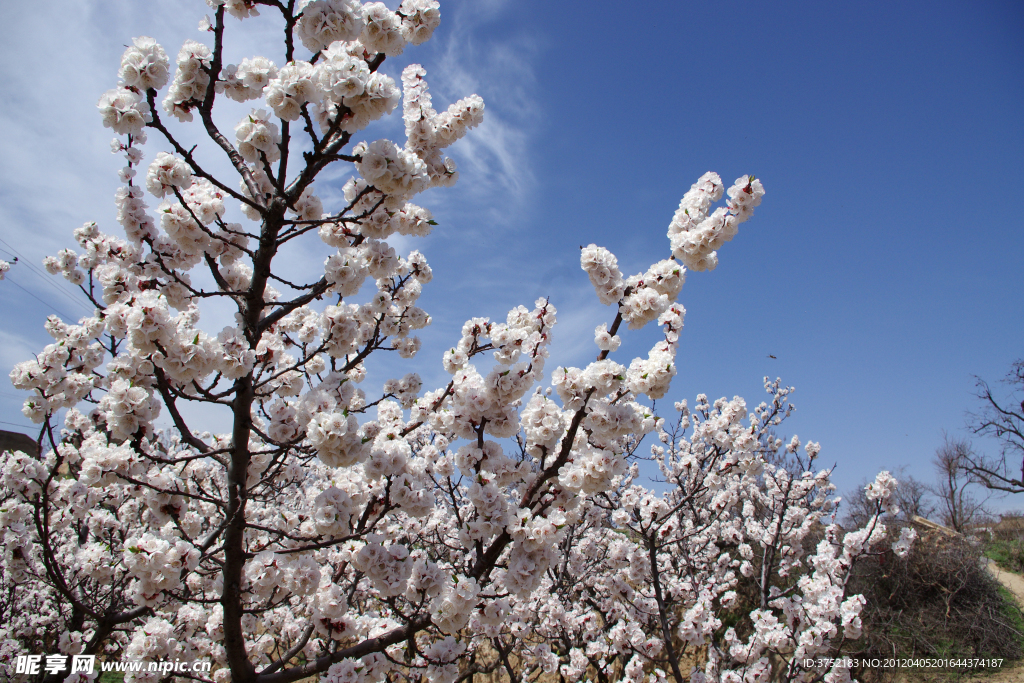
28 263
45 276
48 305
20 258
14 424
49 280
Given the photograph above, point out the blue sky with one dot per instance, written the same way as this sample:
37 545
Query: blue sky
883 270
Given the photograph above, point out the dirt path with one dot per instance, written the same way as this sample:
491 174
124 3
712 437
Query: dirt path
1015 584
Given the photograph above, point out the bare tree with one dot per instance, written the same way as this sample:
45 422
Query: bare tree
958 506
913 496
1003 419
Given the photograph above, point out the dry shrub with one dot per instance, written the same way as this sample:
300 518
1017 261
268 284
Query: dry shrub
1010 527
938 602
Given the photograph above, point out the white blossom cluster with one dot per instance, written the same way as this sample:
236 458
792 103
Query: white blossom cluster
240 9
429 132
695 234
166 173
258 138
356 534
144 65
125 111
324 22
191 80
158 565
248 79
63 374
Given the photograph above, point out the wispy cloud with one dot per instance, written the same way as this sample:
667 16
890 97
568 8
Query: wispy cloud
501 70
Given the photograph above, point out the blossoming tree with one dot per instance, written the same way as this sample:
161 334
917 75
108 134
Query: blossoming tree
397 533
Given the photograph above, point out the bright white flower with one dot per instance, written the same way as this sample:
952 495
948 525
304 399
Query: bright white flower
294 86
327 21
882 488
905 542
419 19
144 65
603 269
390 169
240 9
257 136
125 111
382 31
167 171
604 340
341 74
191 80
